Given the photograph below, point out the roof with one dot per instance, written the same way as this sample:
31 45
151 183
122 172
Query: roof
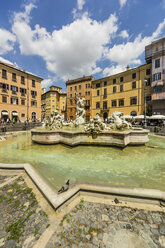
120 73
55 86
84 78
23 71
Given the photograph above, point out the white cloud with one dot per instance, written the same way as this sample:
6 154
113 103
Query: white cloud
129 53
124 34
7 40
46 83
114 69
122 3
70 52
80 4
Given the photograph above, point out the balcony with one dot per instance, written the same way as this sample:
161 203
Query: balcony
158 96
105 109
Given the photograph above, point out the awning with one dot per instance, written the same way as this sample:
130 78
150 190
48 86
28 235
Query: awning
4 113
15 114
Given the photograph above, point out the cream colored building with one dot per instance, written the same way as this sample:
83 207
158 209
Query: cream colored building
53 100
20 94
122 92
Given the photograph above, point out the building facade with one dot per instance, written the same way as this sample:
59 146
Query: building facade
155 54
53 100
81 86
124 92
20 94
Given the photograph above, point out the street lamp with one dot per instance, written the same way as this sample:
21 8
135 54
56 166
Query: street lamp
145 89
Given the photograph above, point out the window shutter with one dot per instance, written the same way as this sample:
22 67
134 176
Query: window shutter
17 89
36 93
7 86
17 101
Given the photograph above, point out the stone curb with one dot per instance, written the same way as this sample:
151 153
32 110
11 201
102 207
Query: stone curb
57 200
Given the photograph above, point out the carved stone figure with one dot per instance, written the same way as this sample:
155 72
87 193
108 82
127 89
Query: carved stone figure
80 111
95 126
56 121
119 122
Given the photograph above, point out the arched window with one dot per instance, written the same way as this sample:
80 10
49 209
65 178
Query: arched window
34 116
4 115
133 113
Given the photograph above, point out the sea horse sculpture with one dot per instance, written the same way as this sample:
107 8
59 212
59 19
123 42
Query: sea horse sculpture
118 122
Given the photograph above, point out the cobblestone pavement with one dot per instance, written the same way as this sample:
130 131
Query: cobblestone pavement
102 225
22 221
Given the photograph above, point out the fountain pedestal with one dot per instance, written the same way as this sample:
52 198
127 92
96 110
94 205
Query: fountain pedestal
106 138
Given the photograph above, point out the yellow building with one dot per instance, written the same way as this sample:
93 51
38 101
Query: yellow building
81 86
122 92
53 100
20 94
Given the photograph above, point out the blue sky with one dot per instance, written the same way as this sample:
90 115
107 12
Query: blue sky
64 39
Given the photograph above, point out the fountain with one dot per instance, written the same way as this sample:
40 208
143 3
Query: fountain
118 133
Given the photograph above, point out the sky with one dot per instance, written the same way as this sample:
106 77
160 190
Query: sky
66 39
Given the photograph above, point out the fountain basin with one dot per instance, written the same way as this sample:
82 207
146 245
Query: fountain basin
106 138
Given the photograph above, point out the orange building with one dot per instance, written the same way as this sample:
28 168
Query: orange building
20 94
81 86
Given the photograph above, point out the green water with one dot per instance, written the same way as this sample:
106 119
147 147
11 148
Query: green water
142 166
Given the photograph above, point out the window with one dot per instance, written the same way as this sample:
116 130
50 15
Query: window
148 98
88 102
79 87
75 87
105 92
98 92
114 81
33 83
14 89
157 76
70 109
148 71
121 88
121 79
88 93
121 102
114 103
114 89
157 63
22 115
33 103
71 102
97 105
22 102
70 95
33 93
89 85
80 94
98 85
4 87
53 106
52 100
14 100
86 86
14 77
4 98
133 101
148 83
4 74
105 105
70 88
134 75
22 91
22 80
133 85
105 83
158 89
